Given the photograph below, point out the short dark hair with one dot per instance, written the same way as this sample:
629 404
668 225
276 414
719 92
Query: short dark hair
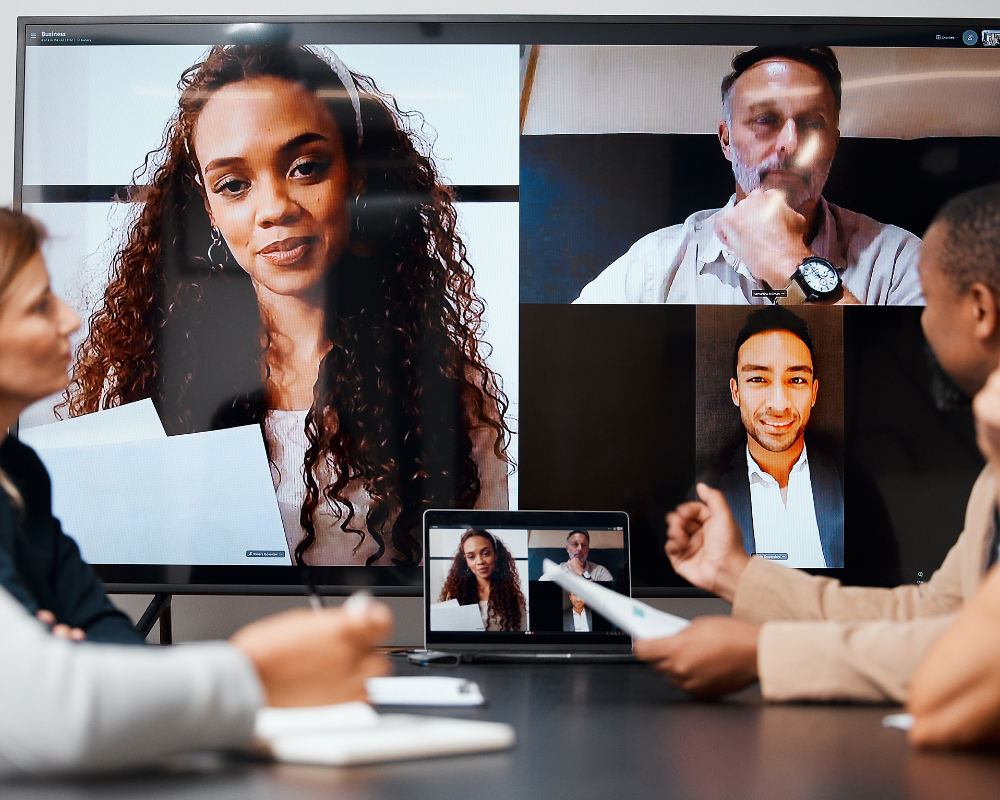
773 318
571 534
972 238
819 57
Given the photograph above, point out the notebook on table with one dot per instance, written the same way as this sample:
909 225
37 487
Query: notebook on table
486 597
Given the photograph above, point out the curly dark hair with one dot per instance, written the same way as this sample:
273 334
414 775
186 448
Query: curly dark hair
405 380
506 597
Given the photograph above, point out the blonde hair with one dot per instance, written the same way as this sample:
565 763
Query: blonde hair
20 240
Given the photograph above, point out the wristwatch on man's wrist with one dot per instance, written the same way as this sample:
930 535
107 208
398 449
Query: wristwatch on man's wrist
586 574
815 281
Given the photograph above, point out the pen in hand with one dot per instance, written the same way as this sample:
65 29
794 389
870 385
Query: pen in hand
315 598
357 603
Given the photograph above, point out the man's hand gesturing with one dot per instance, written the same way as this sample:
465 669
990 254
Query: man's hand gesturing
705 545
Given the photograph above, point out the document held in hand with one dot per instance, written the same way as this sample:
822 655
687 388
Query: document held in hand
632 616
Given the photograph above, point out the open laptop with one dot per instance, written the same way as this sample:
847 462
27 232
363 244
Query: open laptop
526 617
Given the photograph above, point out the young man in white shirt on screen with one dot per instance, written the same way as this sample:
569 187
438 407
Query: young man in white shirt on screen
577 617
787 498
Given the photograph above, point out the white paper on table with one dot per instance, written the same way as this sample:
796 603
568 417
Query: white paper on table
632 616
450 616
273 722
423 690
132 422
199 498
353 733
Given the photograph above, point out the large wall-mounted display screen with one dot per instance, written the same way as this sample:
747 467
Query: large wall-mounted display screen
334 273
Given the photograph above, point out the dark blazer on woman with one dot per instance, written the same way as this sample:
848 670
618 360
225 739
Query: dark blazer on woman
41 566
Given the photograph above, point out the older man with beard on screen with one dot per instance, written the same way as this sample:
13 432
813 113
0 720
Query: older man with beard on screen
808 637
777 239
578 561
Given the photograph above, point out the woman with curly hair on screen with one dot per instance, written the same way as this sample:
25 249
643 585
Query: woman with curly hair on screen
484 572
295 265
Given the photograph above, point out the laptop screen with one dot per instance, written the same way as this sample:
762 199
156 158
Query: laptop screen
484 586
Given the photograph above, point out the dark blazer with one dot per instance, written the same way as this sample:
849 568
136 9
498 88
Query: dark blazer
41 566
827 479
568 624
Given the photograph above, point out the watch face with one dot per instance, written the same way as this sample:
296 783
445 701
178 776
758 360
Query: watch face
586 574
819 276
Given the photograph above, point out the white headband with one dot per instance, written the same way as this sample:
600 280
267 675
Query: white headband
344 74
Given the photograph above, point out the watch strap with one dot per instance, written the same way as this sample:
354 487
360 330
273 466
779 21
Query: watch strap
795 294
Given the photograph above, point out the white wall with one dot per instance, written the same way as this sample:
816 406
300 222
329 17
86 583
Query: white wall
206 617
10 10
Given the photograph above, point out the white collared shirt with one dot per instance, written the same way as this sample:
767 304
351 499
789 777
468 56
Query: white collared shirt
688 263
785 530
580 623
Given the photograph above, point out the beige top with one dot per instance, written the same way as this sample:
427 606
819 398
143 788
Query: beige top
335 546
824 641
688 263
491 623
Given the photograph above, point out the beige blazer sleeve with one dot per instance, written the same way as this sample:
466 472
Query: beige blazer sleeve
824 641
69 706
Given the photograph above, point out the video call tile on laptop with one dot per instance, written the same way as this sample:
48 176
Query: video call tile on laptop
483 586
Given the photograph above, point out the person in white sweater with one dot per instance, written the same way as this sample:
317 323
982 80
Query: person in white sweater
76 706
68 704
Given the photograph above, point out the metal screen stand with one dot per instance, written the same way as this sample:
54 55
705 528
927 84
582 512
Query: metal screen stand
158 609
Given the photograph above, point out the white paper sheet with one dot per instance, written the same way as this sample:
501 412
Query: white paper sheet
200 498
632 616
353 733
423 690
450 616
132 422
901 722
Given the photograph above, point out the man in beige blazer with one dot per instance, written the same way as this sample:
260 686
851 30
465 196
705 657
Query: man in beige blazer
806 637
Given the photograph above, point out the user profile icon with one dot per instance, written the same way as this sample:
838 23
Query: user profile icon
970 37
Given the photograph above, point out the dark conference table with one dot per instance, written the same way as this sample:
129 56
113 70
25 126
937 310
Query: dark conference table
600 731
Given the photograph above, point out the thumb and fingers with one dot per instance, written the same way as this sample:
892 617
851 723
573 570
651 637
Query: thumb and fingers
59 629
714 500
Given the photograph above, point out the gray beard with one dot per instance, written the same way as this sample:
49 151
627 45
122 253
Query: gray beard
748 178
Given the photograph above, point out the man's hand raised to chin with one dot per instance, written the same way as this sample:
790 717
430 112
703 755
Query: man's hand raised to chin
705 545
576 566
766 234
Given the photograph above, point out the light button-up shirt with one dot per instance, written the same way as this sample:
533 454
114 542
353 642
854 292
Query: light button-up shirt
784 528
688 263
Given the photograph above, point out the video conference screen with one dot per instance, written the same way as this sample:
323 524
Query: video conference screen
332 274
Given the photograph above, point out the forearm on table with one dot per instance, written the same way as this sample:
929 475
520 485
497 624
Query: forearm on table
768 592
863 661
